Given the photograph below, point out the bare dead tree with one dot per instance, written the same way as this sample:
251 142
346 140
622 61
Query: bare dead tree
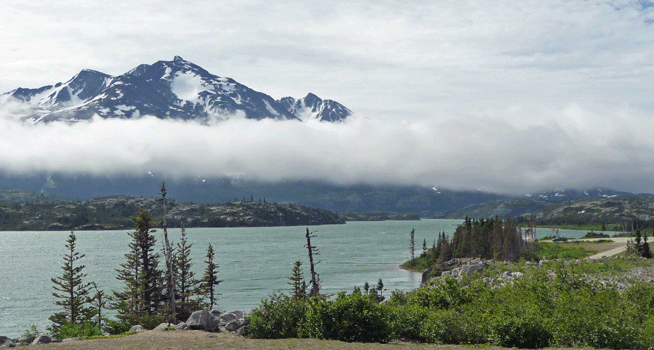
313 250
168 255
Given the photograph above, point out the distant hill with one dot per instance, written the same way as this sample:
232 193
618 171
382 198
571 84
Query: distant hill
607 210
115 212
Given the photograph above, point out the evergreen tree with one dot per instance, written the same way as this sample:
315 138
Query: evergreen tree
413 247
380 289
187 285
645 251
297 283
71 291
209 279
143 294
98 303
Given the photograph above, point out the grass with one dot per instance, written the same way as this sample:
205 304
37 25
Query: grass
573 249
197 340
610 227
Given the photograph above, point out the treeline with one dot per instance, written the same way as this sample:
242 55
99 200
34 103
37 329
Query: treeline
155 289
491 238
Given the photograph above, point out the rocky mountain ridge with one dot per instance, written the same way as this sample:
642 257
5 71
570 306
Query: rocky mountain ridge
116 212
176 89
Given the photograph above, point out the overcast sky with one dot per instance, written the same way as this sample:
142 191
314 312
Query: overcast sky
497 95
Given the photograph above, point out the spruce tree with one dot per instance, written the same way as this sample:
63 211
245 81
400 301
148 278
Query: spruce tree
645 250
209 279
98 303
187 285
297 283
143 294
71 291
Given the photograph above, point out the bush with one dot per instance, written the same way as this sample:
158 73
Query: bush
277 317
406 322
441 294
521 332
352 318
73 330
116 327
453 327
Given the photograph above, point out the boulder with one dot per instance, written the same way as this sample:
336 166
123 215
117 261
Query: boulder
203 320
242 331
235 325
25 339
228 317
163 326
7 344
181 326
216 313
42 339
138 328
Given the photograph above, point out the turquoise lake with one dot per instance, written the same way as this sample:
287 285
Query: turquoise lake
253 262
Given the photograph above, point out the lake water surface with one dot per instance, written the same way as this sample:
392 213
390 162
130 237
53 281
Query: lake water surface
253 262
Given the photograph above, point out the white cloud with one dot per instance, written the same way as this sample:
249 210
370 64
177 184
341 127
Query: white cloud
554 92
567 148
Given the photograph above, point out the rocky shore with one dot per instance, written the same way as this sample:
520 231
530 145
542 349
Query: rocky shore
209 321
462 268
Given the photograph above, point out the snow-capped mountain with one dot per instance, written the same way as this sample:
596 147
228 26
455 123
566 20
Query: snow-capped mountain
166 89
312 107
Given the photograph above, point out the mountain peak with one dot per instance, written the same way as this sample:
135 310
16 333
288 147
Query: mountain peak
176 89
312 107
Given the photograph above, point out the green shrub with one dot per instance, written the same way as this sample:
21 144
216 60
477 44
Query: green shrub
277 317
522 332
406 322
453 327
116 327
441 294
348 318
73 330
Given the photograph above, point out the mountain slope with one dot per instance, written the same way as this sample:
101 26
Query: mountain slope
312 107
175 89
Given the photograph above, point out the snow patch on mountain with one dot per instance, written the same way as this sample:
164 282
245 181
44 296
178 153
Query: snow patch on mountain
175 89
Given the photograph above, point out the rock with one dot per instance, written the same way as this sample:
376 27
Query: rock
181 326
242 331
235 325
42 339
25 339
216 313
226 318
162 327
138 328
203 320
8 343
425 275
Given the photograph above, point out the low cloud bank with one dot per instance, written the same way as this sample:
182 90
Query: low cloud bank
569 148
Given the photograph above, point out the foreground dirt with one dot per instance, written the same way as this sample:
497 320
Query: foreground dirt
192 340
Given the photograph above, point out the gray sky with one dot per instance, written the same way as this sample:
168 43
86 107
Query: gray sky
498 95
